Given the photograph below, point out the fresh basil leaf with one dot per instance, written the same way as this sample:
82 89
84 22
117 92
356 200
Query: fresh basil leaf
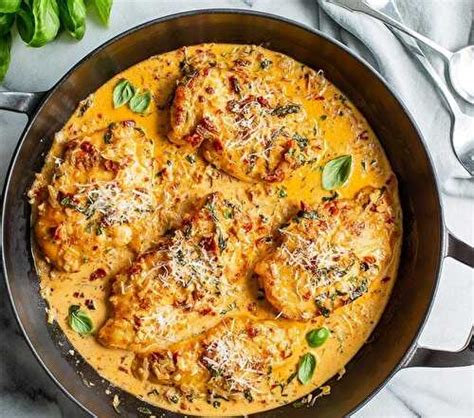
5 47
72 14
103 8
140 102
306 368
6 22
317 337
336 172
38 21
123 92
9 6
79 321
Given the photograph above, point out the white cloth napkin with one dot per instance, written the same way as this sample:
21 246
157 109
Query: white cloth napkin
448 22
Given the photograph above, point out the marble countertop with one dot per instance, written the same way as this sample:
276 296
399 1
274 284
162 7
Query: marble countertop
26 390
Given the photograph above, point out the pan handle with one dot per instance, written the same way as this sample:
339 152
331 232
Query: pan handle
459 250
21 102
425 357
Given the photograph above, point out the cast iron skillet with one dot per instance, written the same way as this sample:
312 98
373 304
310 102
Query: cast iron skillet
426 240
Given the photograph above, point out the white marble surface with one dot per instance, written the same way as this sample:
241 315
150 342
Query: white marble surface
26 391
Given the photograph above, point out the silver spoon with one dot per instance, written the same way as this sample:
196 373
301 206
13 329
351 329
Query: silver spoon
462 128
460 63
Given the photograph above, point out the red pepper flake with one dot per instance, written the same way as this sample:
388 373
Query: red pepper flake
156 356
252 307
218 145
247 227
134 269
55 232
87 147
100 273
385 279
364 136
201 99
234 84
369 259
123 369
128 123
113 166
252 332
262 101
210 90
175 357
90 304
193 139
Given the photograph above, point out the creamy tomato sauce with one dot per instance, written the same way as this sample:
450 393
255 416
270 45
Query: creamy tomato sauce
185 177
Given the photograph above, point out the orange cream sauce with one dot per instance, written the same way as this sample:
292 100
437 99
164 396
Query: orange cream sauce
339 123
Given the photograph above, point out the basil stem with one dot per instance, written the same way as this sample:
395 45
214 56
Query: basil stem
103 8
336 172
6 22
72 14
5 46
38 21
9 6
79 321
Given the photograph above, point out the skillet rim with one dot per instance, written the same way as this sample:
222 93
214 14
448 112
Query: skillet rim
312 31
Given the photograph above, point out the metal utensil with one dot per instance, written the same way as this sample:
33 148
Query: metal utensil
462 128
460 63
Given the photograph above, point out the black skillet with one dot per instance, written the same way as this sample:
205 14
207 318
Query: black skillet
426 241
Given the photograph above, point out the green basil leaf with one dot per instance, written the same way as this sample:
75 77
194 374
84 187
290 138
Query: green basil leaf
317 337
9 6
72 14
79 321
6 22
123 92
38 21
336 172
306 368
5 47
103 8
140 102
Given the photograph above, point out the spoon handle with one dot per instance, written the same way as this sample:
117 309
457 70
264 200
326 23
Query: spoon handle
363 7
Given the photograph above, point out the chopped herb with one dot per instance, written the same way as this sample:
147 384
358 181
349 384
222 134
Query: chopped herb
186 68
306 368
324 311
79 321
307 214
216 404
221 241
334 195
229 308
301 140
191 159
248 395
99 230
264 64
174 398
282 111
282 192
108 137
84 106
291 377
228 213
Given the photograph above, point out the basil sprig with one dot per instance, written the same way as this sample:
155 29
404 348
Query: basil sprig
9 6
123 92
73 17
336 172
140 102
79 321
38 21
306 368
5 46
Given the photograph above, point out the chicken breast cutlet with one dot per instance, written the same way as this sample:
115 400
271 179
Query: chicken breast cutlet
189 277
100 196
330 255
245 120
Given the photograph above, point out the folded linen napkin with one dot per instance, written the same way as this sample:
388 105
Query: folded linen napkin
448 22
